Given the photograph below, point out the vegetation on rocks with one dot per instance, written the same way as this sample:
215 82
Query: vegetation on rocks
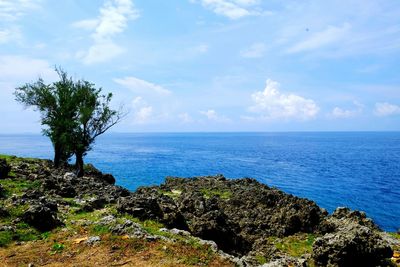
49 216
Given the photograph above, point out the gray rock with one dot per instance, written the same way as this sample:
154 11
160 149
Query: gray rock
210 243
93 240
351 245
107 220
69 176
2 192
5 168
42 214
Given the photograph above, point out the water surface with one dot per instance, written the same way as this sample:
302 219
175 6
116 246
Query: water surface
356 169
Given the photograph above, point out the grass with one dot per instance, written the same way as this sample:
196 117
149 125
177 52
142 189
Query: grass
261 259
6 237
296 245
208 193
57 248
15 159
172 194
18 186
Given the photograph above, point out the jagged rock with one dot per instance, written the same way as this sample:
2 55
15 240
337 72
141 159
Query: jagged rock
351 245
93 240
286 261
5 168
42 215
129 228
69 176
2 191
107 220
94 203
108 178
4 213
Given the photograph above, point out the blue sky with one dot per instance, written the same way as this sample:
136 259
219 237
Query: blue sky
212 65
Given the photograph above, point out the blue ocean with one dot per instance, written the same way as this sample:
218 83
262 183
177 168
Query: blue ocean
360 170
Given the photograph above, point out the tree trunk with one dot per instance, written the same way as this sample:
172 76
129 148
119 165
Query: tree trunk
79 164
57 155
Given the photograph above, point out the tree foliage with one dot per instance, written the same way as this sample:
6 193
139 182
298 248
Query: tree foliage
73 113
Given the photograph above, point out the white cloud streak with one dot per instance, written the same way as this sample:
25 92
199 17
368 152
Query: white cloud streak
143 112
330 35
256 50
386 109
142 86
233 9
113 20
338 112
272 104
11 10
212 115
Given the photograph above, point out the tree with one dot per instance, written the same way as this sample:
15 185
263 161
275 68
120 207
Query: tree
94 118
56 103
73 112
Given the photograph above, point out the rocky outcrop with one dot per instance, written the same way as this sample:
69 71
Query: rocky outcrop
240 215
236 216
4 169
42 214
354 241
233 213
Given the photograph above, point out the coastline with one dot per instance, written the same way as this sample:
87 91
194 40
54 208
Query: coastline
232 215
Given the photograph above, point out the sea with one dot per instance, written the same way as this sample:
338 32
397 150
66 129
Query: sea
360 170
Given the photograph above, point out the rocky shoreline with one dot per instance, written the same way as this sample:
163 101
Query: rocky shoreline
236 221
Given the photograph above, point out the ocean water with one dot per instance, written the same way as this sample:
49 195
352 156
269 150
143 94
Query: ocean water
360 170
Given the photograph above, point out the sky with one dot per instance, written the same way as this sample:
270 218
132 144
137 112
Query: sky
211 65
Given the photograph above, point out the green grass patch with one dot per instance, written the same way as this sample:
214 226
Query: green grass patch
18 186
172 194
261 259
223 194
99 229
15 159
6 237
57 248
395 235
296 245
17 211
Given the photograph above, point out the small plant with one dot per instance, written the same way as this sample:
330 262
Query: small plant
57 248
223 194
6 238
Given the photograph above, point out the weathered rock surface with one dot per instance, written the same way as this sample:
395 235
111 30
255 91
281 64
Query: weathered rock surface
233 213
240 215
234 216
4 169
355 241
42 214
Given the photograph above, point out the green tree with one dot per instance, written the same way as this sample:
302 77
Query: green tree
56 103
74 113
94 118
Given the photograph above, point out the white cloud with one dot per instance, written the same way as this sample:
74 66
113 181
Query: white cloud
256 50
185 118
113 20
10 34
11 10
142 86
200 49
328 36
386 109
272 104
338 112
212 115
233 9
20 69
86 24
143 112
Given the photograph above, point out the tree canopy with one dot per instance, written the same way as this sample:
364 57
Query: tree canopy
73 114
